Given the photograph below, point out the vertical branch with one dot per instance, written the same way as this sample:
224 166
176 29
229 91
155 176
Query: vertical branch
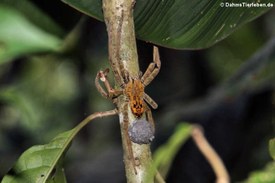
118 15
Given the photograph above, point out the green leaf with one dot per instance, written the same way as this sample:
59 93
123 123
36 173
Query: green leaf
182 24
42 163
35 15
59 176
272 148
266 175
166 153
18 36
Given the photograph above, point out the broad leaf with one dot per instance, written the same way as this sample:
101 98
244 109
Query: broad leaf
59 176
43 163
40 163
183 24
18 36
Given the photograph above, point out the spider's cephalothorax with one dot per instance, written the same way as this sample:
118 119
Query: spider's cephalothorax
134 91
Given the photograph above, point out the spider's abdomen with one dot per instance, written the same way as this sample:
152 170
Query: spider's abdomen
135 90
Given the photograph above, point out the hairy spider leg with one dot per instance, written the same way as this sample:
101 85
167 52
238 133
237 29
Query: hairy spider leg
120 72
153 68
115 42
128 140
99 87
149 116
150 101
102 75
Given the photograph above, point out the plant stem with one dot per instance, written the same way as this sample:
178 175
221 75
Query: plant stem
118 16
211 155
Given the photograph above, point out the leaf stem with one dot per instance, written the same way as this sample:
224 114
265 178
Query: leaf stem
93 116
210 154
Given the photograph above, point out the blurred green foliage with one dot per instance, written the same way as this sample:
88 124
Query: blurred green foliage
165 154
272 148
18 36
227 57
264 176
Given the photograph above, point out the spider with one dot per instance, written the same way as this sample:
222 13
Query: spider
141 131
137 99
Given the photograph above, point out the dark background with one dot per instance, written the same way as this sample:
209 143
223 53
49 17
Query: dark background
49 94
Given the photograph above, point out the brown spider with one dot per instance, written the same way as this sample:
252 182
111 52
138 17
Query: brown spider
140 131
133 89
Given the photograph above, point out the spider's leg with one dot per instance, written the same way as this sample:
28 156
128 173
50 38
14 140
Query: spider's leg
149 116
128 141
112 92
120 72
150 101
98 86
153 68
116 65
102 75
115 61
